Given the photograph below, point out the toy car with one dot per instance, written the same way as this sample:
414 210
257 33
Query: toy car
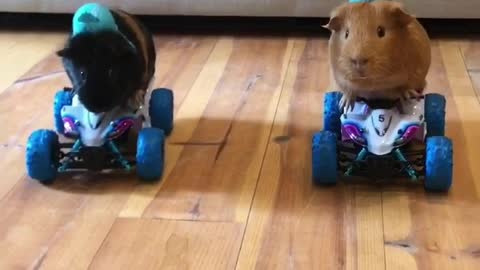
380 139
97 142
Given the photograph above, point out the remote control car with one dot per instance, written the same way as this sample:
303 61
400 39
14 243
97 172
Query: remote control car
99 142
384 139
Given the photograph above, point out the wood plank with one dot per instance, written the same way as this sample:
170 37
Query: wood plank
227 147
32 104
9 166
465 100
397 224
180 59
21 50
75 244
471 53
166 244
50 66
61 226
475 77
293 224
187 112
369 227
424 231
431 234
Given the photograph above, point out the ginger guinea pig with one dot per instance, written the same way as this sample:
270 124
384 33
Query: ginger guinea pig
377 50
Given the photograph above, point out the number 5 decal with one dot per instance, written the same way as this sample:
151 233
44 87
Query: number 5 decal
381 118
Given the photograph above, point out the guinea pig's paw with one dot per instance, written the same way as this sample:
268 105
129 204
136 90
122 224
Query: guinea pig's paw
342 102
347 102
411 93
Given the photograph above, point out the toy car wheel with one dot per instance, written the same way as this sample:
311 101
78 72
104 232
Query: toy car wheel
161 110
42 155
62 98
332 112
435 114
324 158
150 154
438 164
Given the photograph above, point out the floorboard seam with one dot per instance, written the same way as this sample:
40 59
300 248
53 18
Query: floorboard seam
103 243
468 73
272 125
383 231
199 71
175 110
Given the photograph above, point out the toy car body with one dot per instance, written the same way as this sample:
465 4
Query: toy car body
384 139
380 127
100 141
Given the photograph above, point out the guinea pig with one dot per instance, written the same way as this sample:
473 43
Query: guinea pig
377 50
109 58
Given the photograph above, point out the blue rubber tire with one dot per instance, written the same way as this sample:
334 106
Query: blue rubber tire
332 112
42 155
435 114
150 154
438 164
324 158
62 98
161 110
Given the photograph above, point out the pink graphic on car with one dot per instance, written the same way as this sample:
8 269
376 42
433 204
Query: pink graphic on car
411 132
70 126
351 132
119 127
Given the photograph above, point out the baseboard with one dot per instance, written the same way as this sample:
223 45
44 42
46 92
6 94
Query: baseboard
227 24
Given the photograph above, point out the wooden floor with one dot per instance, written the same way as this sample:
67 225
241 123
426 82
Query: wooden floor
237 192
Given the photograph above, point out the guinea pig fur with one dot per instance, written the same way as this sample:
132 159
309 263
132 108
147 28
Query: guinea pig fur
110 68
377 50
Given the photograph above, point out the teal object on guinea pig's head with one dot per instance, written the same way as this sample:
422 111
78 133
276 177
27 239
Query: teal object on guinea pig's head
93 17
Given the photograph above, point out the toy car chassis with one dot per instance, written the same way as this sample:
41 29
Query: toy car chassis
379 139
98 142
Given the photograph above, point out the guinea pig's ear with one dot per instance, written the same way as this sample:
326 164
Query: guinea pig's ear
336 19
65 53
400 15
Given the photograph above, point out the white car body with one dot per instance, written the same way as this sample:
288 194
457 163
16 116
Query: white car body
92 128
381 130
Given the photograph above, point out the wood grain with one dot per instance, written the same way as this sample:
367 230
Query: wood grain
471 53
237 191
292 225
166 244
417 230
215 176
21 50
194 80
475 77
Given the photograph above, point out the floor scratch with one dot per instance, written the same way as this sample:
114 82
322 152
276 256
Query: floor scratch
37 264
402 245
38 77
224 142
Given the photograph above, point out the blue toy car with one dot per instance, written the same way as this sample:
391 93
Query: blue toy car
99 141
383 139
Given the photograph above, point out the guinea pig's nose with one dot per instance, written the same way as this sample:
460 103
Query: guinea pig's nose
359 62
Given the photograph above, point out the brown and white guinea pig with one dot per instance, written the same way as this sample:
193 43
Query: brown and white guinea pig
109 58
377 50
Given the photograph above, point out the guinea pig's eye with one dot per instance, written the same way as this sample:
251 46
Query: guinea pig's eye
82 73
347 32
112 72
381 31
